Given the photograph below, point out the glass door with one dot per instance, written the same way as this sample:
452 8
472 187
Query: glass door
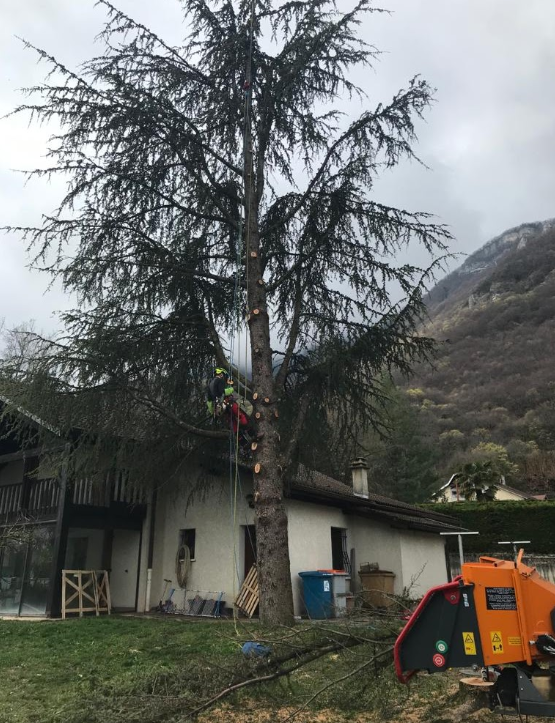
25 568
38 568
12 567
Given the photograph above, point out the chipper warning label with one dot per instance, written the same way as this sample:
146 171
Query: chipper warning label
500 598
469 644
496 641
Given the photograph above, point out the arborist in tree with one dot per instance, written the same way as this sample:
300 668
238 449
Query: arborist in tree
240 422
218 387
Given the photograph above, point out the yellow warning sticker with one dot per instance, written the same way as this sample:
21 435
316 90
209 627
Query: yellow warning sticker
514 641
496 641
469 644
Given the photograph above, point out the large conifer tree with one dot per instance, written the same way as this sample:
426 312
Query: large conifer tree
220 179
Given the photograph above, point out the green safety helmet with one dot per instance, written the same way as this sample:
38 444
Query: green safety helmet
221 370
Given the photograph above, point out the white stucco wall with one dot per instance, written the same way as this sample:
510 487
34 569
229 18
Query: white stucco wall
310 541
423 561
504 494
375 541
95 541
219 552
219 541
219 544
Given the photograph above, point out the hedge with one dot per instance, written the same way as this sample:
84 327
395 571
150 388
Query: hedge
496 521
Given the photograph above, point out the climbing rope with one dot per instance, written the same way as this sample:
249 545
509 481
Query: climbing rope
244 224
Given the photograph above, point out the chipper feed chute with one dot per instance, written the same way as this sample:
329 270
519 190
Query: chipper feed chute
496 613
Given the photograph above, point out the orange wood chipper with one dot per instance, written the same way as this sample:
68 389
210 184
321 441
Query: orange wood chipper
497 614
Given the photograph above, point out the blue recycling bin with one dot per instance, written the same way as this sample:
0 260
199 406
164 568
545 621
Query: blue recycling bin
317 593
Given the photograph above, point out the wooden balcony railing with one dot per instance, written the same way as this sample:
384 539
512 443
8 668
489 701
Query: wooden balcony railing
113 488
44 496
40 498
35 499
10 500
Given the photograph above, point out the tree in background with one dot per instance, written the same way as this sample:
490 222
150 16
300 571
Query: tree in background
486 467
402 456
478 480
214 182
538 470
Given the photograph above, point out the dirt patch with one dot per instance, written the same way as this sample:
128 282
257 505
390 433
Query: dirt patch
447 706
280 715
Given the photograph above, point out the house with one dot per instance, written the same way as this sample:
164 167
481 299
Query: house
55 522
107 522
450 492
331 526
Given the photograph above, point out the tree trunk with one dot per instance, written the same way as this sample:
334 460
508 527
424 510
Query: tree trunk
274 574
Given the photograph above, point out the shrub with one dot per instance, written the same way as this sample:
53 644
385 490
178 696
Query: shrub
495 521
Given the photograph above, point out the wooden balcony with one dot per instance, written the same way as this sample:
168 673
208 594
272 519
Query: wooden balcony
10 501
38 499
114 488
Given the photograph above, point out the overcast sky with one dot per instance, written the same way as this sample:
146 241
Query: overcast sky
489 140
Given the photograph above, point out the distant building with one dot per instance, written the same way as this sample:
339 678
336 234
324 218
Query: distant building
450 492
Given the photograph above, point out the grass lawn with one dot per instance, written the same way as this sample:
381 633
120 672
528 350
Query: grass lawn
50 670
143 670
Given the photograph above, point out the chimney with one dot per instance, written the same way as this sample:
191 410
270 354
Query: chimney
359 470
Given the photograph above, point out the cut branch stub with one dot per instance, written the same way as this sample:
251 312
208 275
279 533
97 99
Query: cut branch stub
257 415
254 445
256 312
266 400
255 396
257 468
254 254
276 413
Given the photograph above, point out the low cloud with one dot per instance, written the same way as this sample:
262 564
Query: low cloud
489 139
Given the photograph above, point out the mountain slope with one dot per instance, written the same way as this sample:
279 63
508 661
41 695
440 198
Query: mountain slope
480 265
491 392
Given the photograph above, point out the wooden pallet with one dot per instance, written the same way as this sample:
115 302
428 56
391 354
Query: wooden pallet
103 591
85 591
248 597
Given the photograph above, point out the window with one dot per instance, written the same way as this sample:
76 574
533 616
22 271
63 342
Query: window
187 537
76 553
25 569
339 554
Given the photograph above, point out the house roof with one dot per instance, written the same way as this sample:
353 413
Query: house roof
518 493
317 487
